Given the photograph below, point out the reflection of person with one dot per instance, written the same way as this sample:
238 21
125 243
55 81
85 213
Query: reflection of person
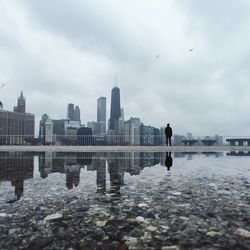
169 160
168 133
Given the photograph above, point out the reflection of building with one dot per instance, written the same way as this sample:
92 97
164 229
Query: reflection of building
16 167
101 115
116 172
16 126
132 163
68 163
118 164
72 171
99 165
238 153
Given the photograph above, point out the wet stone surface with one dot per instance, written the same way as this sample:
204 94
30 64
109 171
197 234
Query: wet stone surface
198 204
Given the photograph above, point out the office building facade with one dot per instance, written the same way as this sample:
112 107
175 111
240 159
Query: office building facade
115 111
101 115
16 127
77 114
132 131
71 112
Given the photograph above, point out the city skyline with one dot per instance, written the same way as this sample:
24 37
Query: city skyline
175 62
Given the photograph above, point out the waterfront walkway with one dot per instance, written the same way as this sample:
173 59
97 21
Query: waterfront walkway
122 148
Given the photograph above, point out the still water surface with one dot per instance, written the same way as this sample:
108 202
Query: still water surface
115 200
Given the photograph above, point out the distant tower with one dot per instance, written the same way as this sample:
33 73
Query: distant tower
101 115
115 112
77 114
71 112
20 108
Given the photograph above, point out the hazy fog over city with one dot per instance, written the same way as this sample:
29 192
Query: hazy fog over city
182 62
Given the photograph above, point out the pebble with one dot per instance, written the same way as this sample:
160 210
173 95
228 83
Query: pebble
170 248
53 217
242 232
212 185
141 205
151 228
213 233
175 193
101 223
140 219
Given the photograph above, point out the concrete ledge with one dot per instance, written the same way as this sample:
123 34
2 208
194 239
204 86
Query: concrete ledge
122 148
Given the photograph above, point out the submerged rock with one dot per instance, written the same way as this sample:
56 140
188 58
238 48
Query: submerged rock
170 248
140 219
242 232
53 217
213 233
151 228
101 223
141 205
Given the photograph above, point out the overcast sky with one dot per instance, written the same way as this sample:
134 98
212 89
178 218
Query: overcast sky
65 51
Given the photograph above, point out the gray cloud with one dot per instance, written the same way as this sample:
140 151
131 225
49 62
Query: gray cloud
61 51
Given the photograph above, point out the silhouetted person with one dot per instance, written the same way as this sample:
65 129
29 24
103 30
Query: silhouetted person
168 133
169 160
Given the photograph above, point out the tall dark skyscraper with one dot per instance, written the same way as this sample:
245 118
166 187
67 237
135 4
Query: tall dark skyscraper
77 114
101 114
115 112
71 112
20 108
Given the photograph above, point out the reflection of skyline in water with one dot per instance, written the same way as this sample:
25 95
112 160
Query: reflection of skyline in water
189 155
116 164
238 153
17 167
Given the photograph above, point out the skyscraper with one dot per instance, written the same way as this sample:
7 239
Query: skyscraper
20 108
77 114
71 112
101 115
115 111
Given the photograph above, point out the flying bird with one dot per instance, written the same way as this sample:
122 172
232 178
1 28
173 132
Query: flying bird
190 50
157 56
2 85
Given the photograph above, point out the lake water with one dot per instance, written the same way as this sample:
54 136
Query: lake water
125 200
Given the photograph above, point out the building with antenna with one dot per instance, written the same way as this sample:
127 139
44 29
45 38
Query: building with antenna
115 111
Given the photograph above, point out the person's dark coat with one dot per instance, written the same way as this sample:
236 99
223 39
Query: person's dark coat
168 132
